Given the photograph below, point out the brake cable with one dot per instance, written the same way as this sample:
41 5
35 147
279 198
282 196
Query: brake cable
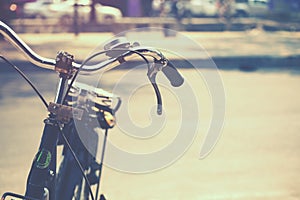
95 55
59 125
76 159
157 92
151 77
27 80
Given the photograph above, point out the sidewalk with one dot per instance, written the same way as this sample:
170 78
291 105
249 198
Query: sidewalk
253 49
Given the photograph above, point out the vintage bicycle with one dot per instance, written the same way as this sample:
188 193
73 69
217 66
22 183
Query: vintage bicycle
75 101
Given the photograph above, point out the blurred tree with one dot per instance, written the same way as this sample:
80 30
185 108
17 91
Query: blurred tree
146 7
226 10
93 11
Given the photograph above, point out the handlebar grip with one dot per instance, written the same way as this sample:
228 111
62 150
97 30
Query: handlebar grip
173 75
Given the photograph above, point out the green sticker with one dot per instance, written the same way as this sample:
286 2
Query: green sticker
43 159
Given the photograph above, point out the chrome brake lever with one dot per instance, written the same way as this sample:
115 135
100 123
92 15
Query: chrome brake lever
118 46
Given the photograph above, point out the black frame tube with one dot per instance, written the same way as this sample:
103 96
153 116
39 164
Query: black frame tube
43 170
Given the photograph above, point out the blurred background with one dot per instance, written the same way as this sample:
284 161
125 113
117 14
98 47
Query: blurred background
255 49
99 15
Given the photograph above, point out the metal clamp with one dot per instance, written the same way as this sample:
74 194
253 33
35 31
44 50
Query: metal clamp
65 113
63 64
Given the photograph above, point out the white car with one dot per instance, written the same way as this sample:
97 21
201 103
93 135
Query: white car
199 8
37 9
251 8
64 11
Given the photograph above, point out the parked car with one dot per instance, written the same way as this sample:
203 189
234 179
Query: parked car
37 9
198 8
251 8
64 11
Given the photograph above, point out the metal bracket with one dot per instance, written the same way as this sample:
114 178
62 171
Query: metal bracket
64 113
63 64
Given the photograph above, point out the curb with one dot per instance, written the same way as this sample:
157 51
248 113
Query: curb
243 63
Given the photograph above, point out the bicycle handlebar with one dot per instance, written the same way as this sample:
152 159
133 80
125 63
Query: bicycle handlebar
168 69
34 58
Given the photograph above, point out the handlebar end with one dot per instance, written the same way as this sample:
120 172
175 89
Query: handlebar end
173 75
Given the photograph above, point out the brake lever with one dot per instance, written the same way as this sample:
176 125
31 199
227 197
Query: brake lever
152 71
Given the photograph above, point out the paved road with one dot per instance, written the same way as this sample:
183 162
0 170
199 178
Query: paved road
256 158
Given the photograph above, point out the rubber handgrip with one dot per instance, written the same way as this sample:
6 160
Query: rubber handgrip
173 75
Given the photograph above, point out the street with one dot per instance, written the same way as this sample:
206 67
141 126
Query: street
242 86
256 157
229 132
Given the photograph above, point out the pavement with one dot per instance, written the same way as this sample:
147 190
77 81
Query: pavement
257 155
248 50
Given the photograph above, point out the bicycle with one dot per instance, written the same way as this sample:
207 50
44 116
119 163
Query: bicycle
77 101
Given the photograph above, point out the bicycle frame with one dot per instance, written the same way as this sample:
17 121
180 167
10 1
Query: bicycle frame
43 170
41 179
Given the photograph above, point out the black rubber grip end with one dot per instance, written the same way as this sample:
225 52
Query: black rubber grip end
173 75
